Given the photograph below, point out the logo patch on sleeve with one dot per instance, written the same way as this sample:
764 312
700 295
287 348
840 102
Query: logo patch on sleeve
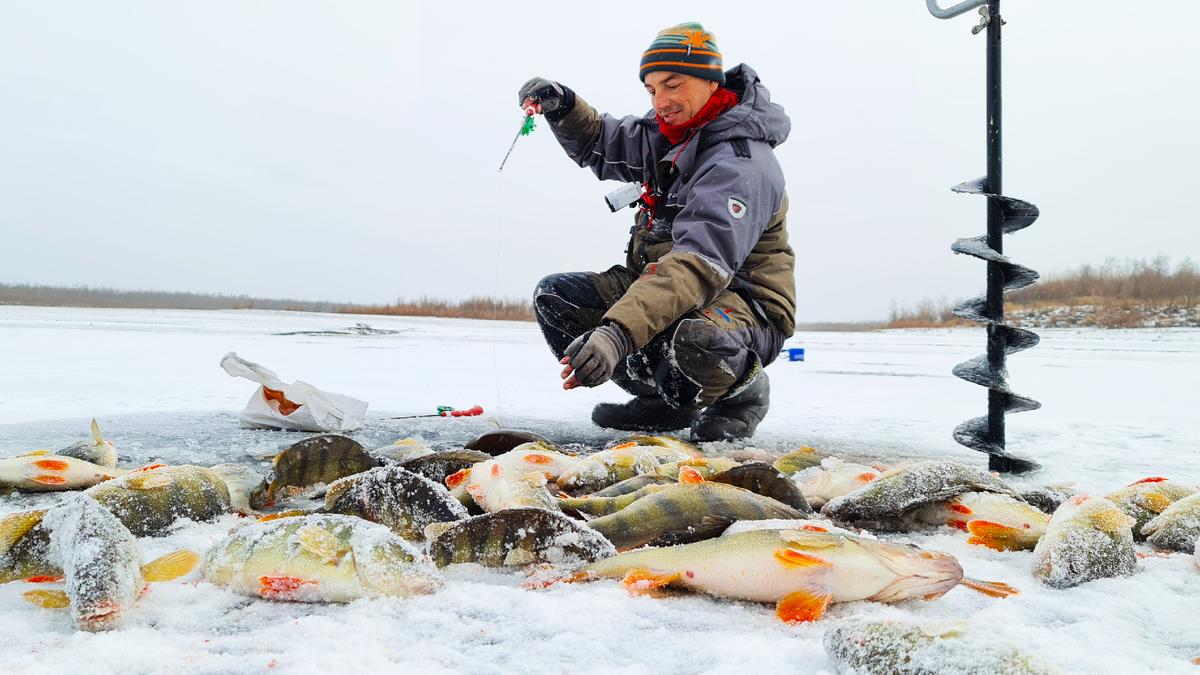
737 208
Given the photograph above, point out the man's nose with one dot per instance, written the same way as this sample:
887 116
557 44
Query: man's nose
658 101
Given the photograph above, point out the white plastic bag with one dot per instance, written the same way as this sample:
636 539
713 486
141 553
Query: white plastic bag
299 406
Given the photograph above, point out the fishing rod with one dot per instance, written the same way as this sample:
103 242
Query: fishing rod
444 411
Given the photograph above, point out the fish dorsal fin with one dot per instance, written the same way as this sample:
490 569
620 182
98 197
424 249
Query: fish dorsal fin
803 605
47 599
1061 486
16 525
1111 521
96 432
170 566
149 481
494 422
319 542
811 538
36 453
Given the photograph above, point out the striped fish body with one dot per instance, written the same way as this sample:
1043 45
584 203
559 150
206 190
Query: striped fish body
519 536
678 449
633 485
247 487
700 509
607 467
906 488
603 506
43 472
1147 498
705 466
441 465
1178 527
389 495
800 460
150 501
996 521
25 547
318 558
801 571
319 459
763 479
874 647
1088 538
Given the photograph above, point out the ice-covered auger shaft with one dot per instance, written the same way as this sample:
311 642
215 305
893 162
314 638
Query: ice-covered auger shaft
1005 216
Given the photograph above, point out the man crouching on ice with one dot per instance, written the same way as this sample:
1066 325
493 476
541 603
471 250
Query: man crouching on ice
707 294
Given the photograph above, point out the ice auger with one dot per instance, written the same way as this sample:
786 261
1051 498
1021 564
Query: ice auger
1005 215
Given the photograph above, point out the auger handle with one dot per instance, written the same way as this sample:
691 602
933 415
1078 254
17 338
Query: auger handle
951 12
477 410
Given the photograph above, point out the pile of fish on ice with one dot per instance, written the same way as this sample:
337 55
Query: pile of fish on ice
652 511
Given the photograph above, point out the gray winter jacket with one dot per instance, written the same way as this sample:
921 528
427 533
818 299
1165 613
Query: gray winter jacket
721 219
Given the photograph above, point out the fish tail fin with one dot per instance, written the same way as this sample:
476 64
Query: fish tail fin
96 432
170 566
993 589
537 582
47 599
994 535
16 525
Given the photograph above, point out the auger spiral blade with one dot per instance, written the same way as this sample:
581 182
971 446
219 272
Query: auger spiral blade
978 433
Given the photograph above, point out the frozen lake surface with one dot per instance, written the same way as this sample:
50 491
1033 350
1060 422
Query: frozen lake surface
1119 406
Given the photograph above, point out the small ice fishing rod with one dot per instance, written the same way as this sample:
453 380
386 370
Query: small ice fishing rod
527 127
445 411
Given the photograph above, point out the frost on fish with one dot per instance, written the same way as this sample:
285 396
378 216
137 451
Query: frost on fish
390 495
608 467
1147 498
1178 527
540 458
402 450
97 451
1049 497
440 465
25 547
870 647
150 501
811 524
518 537
100 561
247 487
495 486
1088 538
908 487
319 558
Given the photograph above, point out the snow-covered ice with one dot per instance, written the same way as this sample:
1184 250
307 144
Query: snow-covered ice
1118 406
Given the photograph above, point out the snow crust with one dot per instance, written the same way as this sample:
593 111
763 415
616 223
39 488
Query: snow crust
1118 407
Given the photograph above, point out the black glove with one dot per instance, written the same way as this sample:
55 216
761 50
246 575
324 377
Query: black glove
556 100
597 352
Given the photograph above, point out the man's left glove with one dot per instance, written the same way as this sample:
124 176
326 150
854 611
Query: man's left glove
597 352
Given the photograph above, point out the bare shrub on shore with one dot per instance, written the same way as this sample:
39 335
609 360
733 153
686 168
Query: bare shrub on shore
1115 294
476 307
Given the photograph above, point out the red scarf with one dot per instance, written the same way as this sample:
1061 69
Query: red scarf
721 100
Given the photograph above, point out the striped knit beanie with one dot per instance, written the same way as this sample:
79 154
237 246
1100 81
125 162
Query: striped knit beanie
688 49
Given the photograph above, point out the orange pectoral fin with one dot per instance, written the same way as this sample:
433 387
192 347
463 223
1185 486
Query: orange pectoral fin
537 458
796 559
814 528
994 536
867 477
49 480
43 579
454 479
689 475
1111 521
966 511
958 524
644 580
282 588
1155 502
803 606
52 464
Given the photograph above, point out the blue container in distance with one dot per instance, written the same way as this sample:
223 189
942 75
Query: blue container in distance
794 353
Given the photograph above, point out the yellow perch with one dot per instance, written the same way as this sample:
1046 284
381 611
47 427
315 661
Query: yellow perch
994 520
43 472
801 571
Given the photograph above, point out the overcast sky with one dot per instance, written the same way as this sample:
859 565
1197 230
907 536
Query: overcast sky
349 150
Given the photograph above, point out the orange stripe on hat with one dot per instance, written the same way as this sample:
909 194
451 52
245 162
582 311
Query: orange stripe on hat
679 63
682 51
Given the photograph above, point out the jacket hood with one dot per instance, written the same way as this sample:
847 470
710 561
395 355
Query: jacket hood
754 117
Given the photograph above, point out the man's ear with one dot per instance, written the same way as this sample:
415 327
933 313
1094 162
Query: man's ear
712 87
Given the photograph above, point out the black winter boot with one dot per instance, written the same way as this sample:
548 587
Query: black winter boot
735 415
644 413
